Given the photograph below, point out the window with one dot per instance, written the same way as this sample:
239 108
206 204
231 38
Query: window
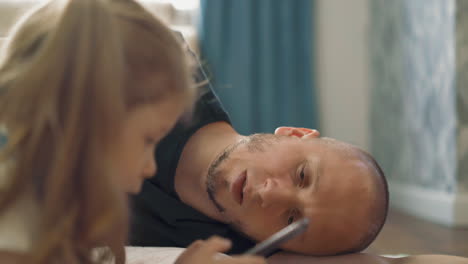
181 15
10 10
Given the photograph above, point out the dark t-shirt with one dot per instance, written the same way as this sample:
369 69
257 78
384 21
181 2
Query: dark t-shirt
159 217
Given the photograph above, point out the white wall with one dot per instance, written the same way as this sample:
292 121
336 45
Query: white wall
342 69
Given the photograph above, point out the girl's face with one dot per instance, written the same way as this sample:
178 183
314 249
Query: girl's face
142 129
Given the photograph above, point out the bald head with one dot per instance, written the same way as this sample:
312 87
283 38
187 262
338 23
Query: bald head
338 186
349 206
379 206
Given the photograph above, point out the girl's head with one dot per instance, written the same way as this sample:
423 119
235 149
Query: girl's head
87 89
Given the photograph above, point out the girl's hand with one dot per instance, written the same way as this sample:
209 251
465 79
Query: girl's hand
207 252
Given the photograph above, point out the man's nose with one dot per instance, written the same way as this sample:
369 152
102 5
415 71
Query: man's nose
276 193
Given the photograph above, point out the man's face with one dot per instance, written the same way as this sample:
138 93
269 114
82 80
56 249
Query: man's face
270 181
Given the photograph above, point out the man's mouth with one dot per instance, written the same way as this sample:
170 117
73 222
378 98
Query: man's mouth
237 187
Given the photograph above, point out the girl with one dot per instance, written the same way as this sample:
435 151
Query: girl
87 89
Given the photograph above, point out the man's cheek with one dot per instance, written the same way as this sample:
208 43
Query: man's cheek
250 223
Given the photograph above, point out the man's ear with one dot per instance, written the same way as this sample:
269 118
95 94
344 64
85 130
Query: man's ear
299 132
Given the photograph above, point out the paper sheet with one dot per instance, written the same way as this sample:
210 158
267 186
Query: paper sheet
152 255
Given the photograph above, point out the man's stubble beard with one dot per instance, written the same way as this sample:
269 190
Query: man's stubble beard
215 181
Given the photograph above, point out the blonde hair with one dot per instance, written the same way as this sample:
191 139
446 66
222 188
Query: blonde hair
69 73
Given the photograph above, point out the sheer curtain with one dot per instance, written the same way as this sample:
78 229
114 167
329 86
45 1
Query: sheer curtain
178 14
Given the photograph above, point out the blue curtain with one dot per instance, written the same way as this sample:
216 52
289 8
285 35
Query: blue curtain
259 56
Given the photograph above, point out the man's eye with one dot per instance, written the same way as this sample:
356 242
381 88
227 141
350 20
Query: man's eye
290 219
301 177
292 216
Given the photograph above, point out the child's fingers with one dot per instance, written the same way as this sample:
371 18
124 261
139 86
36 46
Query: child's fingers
216 244
208 252
242 260
190 251
204 249
195 245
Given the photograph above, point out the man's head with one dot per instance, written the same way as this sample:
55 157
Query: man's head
265 182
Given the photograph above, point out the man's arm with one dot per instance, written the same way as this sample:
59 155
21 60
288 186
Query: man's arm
362 258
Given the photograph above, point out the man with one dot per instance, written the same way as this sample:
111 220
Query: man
211 180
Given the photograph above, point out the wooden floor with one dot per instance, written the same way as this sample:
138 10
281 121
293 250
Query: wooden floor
404 234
